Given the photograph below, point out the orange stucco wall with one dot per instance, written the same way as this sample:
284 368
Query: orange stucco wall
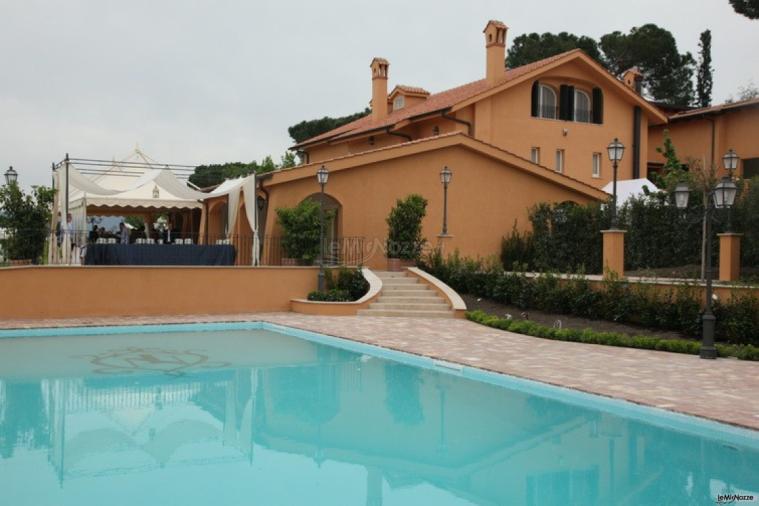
505 121
693 138
485 199
60 292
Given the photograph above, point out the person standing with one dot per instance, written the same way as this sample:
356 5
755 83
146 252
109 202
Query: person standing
123 233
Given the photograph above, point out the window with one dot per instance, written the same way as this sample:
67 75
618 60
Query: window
535 155
547 102
559 160
399 102
436 130
596 164
583 111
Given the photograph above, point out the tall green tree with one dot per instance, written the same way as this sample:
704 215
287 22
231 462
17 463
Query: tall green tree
311 128
531 47
748 8
704 78
667 74
25 218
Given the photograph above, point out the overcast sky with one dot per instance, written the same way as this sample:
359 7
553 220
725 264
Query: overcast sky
196 82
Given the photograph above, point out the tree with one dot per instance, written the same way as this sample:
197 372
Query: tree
672 171
311 128
667 74
288 160
746 92
531 47
748 8
404 236
704 77
25 219
214 174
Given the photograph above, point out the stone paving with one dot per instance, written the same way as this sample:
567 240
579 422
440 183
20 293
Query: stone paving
724 390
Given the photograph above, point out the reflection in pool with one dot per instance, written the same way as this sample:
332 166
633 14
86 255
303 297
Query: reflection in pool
253 416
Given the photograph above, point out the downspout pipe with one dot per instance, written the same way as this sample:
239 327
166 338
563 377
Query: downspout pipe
446 114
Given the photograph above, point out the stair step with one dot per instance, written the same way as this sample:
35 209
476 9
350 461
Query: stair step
399 281
389 274
426 304
431 298
416 313
406 288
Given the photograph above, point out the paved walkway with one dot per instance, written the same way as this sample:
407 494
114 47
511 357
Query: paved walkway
725 390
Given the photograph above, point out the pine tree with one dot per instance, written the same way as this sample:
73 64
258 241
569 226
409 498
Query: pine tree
704 77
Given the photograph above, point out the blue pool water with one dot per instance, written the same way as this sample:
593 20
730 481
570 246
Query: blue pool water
243 414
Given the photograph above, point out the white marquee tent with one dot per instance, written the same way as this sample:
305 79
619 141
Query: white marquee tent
139 183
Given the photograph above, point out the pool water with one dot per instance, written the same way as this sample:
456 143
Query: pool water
248 414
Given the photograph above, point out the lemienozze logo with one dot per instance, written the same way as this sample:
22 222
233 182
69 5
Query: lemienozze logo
733 498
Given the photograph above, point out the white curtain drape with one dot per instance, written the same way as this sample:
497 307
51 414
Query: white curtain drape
251 211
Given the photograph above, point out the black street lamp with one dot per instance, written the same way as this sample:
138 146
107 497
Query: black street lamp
11 176
445 177
616 149
730 161
322 175
721 196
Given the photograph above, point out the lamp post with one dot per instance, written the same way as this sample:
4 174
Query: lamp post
616 149
11 176
445 177
322 175
730 161
721 196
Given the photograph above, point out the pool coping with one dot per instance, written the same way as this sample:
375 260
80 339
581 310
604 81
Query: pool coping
671 419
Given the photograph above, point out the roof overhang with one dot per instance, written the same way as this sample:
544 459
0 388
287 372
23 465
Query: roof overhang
348 162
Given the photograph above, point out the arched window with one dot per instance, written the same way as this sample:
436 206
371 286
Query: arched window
546 102
583 107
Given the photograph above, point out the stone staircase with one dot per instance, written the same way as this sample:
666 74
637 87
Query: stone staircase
406 295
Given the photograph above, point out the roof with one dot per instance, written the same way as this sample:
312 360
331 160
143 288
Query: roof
434 103
431 143
716 109
468 93
409 90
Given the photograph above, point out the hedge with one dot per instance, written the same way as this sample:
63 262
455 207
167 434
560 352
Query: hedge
588 336
345 286
566 236
676 309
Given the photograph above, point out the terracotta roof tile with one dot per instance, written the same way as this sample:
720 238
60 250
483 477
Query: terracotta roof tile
433 103
714 109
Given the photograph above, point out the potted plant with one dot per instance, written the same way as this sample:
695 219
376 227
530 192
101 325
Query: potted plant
404 236
300 232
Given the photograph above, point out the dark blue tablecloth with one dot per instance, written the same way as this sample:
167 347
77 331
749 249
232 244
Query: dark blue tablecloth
159 254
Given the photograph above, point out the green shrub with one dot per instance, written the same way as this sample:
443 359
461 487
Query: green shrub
343 285
517 249
333 295
404 236
588 336
301 229
677 309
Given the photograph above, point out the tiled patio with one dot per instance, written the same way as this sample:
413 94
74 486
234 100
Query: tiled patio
725 390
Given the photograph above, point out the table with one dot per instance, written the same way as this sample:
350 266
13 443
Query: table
159 254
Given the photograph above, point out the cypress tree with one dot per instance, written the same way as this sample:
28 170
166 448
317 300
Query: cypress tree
704 78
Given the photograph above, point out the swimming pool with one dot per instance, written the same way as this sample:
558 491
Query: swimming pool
255 413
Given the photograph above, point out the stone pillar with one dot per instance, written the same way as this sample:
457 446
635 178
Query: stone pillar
443 243
614 251
729 256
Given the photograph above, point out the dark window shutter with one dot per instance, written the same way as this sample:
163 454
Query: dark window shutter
535 99
571 105
563 101
598 106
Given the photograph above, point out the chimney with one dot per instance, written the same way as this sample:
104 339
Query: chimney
495 49
633 78
379 68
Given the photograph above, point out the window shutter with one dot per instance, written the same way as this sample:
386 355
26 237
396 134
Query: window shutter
598 106
570 103
535 99
563 101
